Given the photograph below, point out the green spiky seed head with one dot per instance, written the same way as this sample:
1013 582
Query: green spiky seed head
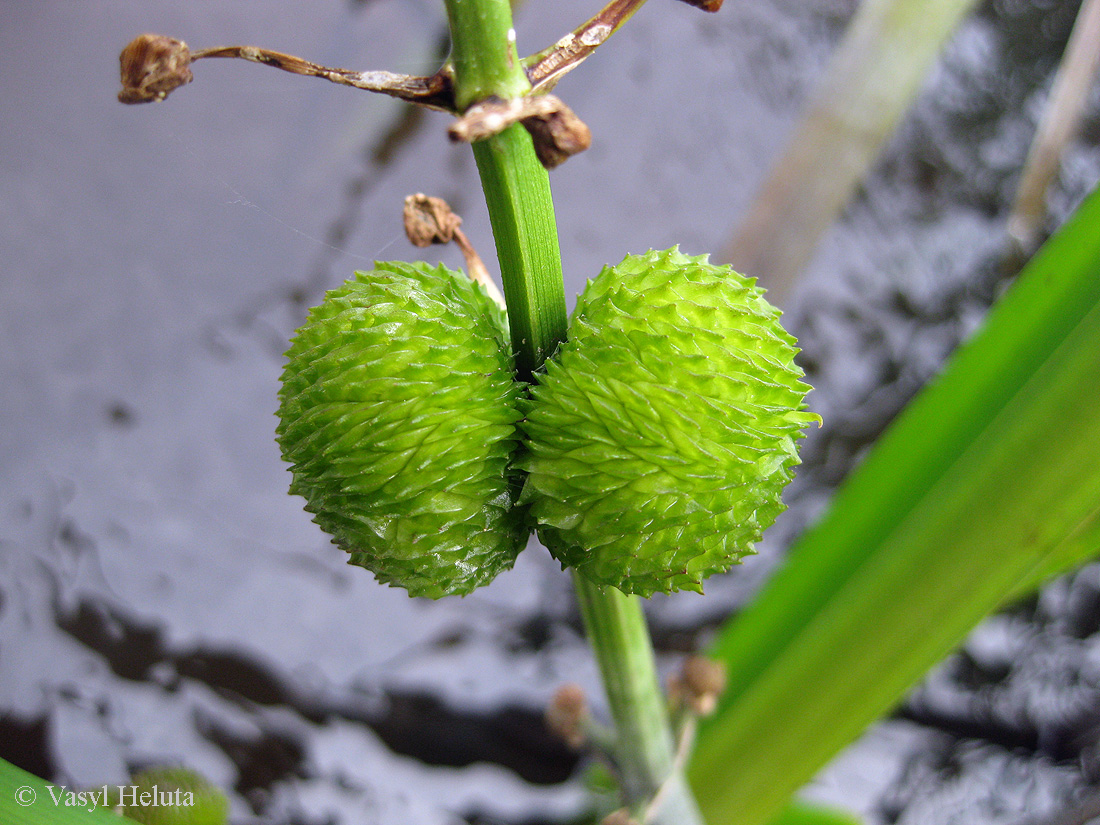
663 431
398 418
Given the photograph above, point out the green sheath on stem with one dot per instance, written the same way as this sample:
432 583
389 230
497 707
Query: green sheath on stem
616 620
617 630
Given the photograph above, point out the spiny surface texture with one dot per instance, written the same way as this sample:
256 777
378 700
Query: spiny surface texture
398 417
663 431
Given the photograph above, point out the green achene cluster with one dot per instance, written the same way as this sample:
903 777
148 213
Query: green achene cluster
651 452
398 417
663 431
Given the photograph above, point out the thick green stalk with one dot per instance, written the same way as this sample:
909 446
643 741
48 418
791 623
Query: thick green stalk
517 188
615 624
517 192
521 209
483 48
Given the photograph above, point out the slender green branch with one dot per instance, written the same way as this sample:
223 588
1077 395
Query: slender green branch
1061 119
616 627
517 191
870 82
645 754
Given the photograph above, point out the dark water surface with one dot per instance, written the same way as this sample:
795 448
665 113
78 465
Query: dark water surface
163 600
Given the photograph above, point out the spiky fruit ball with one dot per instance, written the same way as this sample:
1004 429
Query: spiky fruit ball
663 431
398 416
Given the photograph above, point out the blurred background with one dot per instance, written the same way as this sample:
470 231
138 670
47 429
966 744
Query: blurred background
164 601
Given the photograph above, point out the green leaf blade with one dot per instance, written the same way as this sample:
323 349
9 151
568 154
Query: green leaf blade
987 483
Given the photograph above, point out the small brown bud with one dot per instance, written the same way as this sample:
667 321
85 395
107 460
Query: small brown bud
429 220
151 66
557 132
699 684
566 714
705 5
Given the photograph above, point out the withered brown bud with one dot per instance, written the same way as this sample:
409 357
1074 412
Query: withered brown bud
558 133
487 118
699 684
429 220
705 5
151 66
566 714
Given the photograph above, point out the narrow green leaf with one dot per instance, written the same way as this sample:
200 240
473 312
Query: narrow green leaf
801 812
988 483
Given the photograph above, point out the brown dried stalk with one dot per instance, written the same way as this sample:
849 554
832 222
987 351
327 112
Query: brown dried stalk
547 67
153 65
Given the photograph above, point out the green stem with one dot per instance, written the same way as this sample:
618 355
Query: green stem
644 757
483 48
517 188
521 209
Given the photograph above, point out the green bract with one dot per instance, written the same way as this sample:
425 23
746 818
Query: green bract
663 431
398 417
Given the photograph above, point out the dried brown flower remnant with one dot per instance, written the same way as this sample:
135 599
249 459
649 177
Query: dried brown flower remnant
429 220
151 66
566 715
705 5
557 132
698 685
